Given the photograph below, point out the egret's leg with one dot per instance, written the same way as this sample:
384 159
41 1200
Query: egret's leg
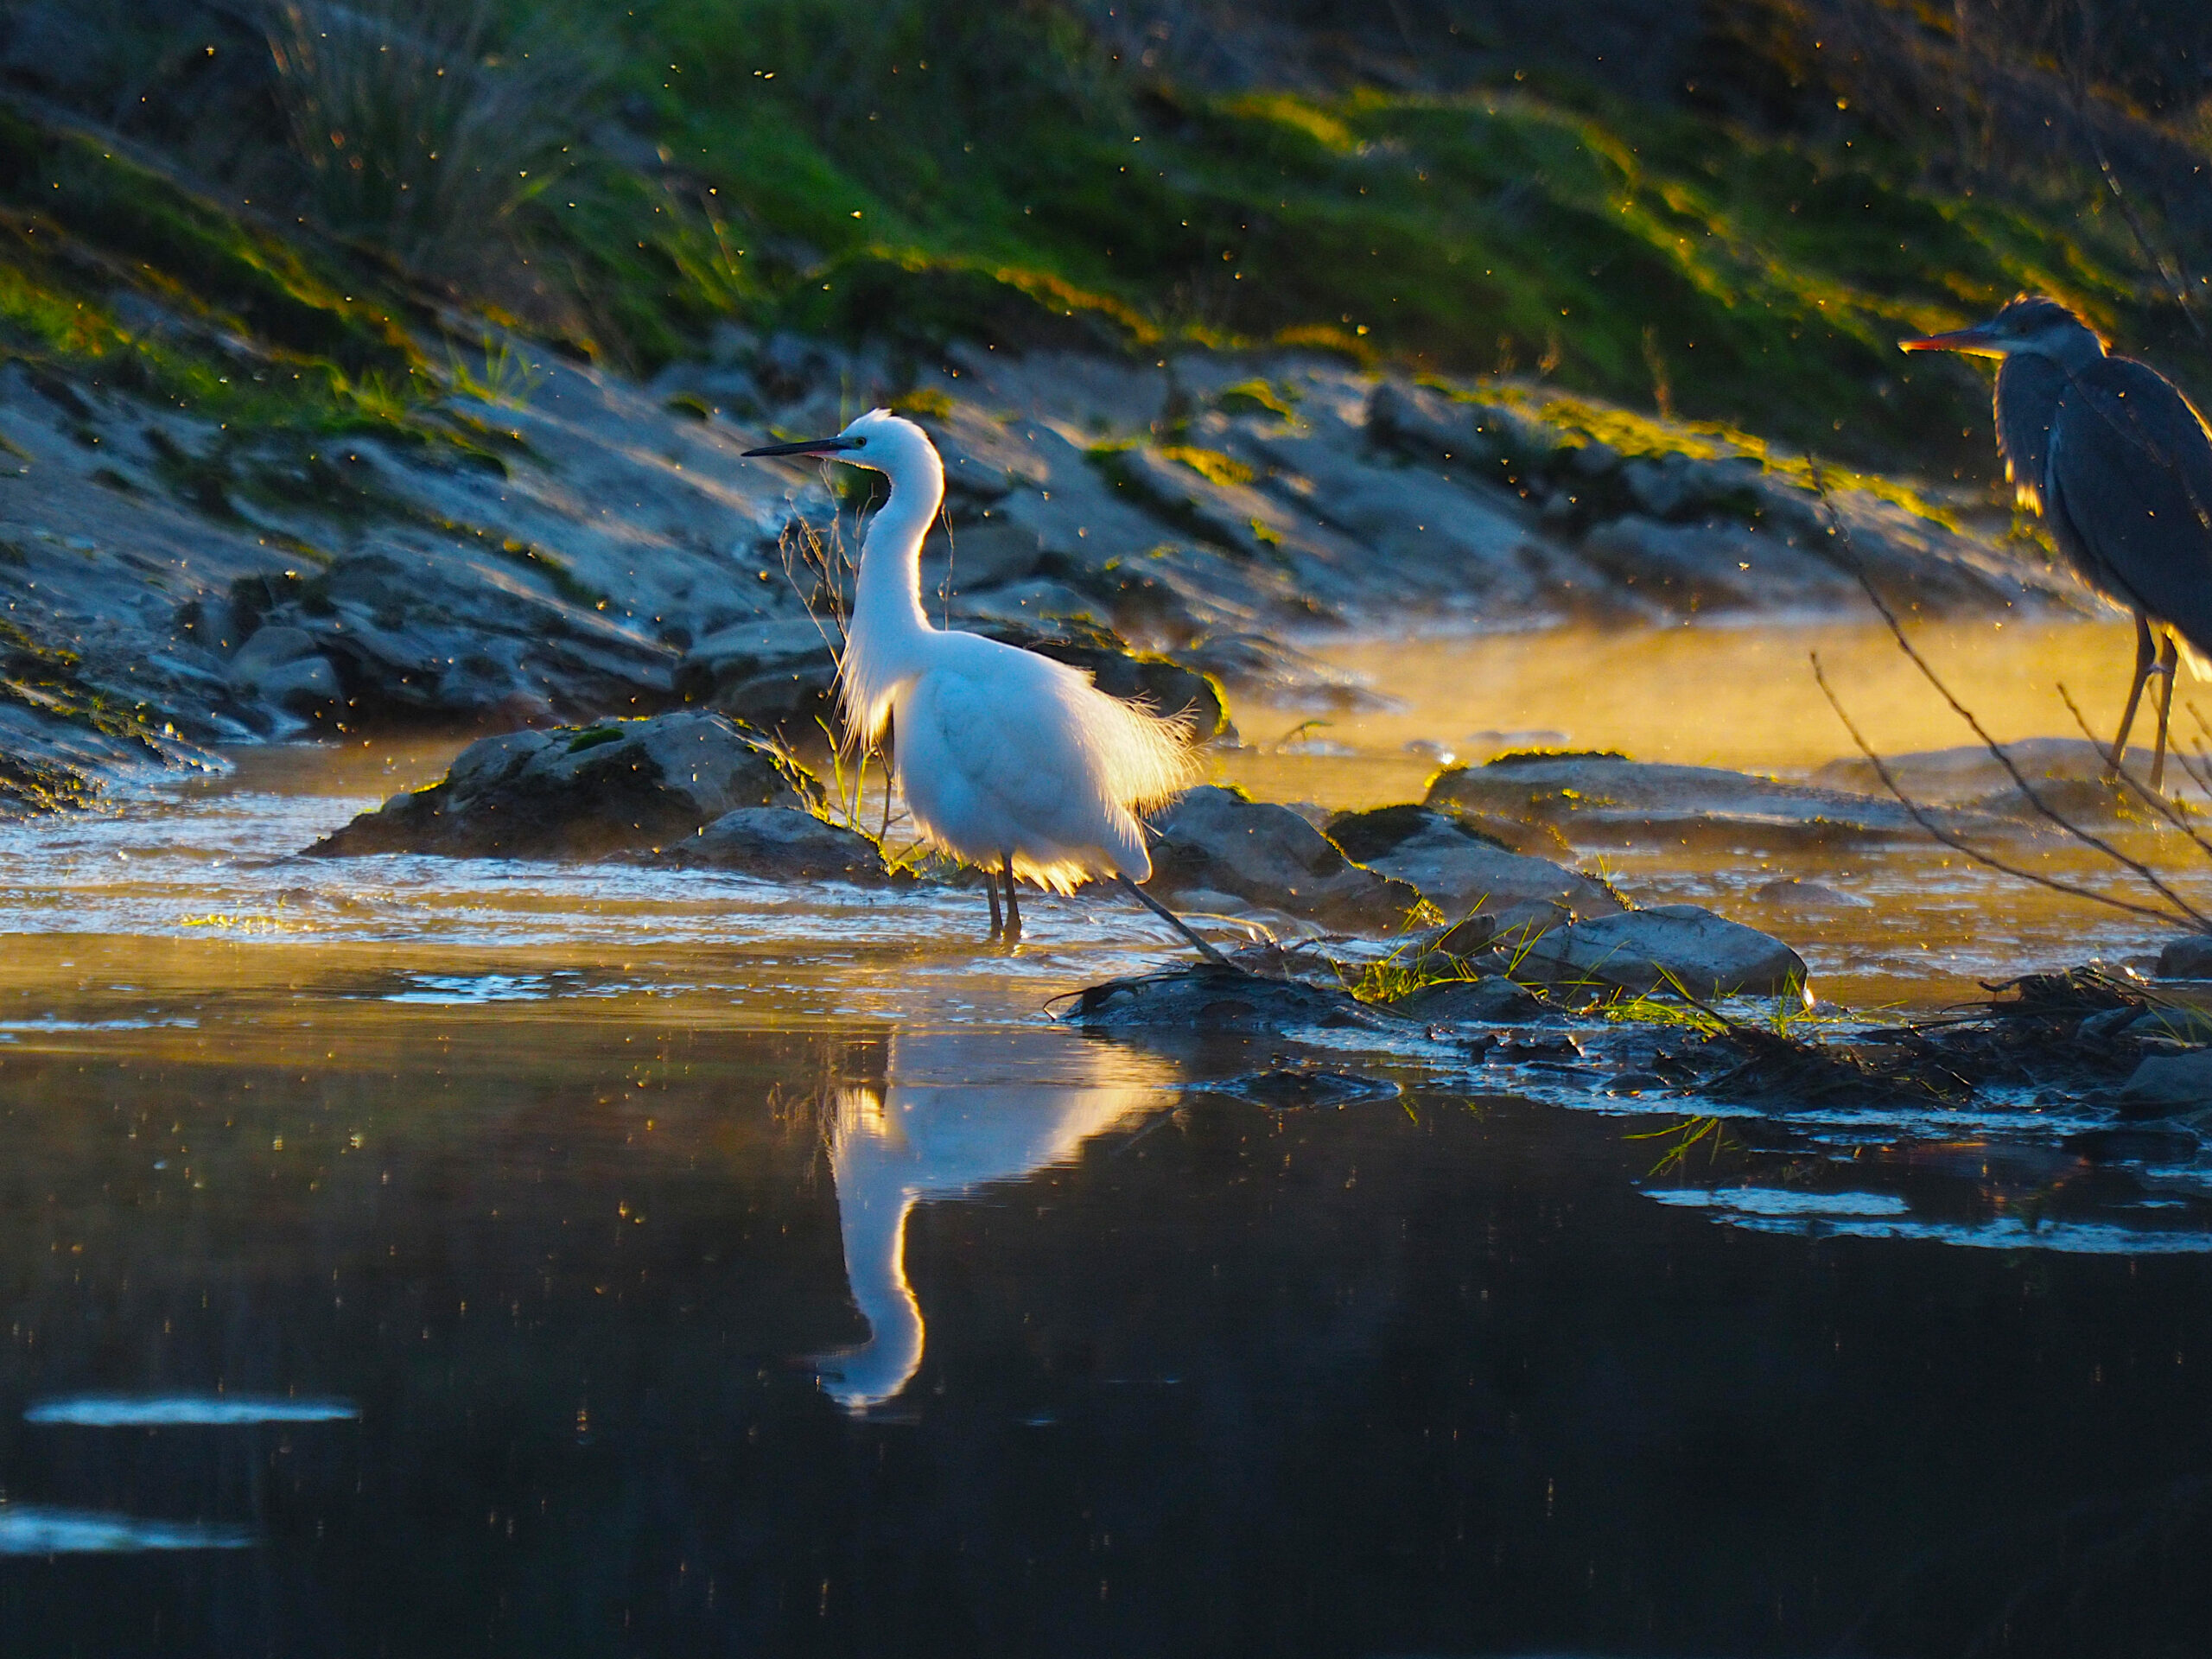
991 887
1013 905
1172 920
2169 660
2145 654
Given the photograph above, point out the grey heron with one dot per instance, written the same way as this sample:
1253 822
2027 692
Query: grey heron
2120 465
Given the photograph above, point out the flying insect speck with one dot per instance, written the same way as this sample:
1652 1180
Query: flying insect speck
1008 760
2120 465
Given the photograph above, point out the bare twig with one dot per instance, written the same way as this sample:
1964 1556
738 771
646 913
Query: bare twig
2165 267
2198 714
1960 844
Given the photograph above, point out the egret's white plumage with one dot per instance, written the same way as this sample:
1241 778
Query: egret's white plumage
1006 759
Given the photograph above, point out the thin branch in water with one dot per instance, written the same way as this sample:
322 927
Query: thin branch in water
2157 803
2192 766
2135 867
1960 844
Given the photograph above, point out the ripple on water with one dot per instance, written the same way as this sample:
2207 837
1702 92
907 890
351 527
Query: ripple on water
186 1410
39 1530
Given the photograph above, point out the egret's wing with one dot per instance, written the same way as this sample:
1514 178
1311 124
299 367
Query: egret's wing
2131 476
1000 731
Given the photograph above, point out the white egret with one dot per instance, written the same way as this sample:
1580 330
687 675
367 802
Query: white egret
1008 760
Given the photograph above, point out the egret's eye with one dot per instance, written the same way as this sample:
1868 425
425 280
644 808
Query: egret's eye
860 443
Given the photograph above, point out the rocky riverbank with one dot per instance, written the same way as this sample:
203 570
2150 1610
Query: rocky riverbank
598 548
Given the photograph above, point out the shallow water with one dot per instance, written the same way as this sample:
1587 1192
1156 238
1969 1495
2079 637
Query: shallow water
416 1258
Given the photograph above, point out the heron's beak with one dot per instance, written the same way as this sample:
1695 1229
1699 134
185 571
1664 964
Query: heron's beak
808 447
1980 340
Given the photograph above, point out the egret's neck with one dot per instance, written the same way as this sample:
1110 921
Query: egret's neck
886 642
889 601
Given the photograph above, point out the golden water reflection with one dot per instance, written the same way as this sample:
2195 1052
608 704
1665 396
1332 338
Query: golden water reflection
1740 697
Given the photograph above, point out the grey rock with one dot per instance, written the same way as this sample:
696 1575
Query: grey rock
2179 1025
1611 800
1970 774
1642 950
269 648
2187 958
785 843
1221 839
2159 1144
2163 1085
1482 436
1706 567
1437 537
1464 873
306 685
1038 603
1795 893
780 672
989 553
1250 522
1492 1000
619 787
412 637
1201 1001
1663 487
1597 458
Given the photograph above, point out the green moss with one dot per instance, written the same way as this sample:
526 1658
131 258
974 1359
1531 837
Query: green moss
555 571
1211 464
938 170
1258 398
594 737
923 299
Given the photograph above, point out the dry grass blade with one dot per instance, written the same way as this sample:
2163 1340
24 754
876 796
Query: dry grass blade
416 136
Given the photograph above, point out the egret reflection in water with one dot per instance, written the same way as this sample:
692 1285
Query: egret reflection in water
893 1147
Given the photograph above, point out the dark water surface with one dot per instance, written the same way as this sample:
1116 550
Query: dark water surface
1430 1375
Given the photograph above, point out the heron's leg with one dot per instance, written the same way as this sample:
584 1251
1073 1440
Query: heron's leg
2144 653
1172 920
1012 903
2169 660
991 887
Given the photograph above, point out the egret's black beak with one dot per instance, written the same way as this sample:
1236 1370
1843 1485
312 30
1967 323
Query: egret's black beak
1980 340
808 447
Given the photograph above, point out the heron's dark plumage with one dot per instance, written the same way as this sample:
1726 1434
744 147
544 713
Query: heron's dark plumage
2028 390
2128 491
2120 465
